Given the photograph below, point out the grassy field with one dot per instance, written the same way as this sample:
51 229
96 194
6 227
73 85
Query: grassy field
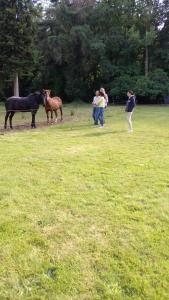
84 211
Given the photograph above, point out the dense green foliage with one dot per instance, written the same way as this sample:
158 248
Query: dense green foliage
18 53
84 211
83 45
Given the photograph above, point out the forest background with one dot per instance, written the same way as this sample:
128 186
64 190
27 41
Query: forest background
75 47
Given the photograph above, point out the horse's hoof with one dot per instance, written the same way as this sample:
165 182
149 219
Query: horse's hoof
11 127
56 120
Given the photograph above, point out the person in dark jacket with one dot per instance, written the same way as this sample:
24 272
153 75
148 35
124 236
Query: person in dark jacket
131 103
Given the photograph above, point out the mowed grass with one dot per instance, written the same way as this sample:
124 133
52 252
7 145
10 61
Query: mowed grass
84 211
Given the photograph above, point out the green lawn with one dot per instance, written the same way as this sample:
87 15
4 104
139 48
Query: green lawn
84 210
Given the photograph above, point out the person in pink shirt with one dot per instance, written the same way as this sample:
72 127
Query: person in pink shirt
95 107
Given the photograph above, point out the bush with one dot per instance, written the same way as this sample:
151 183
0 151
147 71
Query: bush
151 89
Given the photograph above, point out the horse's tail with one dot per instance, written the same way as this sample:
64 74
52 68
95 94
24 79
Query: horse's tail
6 104
61 112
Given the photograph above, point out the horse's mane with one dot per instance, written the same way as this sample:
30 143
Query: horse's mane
34 94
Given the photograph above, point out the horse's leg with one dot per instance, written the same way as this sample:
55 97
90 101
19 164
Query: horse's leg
47 114
61 113
6 119
33 125
10 119
56 115
52 115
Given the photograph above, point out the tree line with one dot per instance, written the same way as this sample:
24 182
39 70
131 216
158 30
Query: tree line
74 47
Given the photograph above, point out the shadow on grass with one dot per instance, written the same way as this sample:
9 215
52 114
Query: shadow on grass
71 127
98 131
102 132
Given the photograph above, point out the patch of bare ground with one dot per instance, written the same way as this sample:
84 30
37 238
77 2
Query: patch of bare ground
27 126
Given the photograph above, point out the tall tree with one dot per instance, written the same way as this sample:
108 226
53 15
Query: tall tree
17 39
110 42
150 15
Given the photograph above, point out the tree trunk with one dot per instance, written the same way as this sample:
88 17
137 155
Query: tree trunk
146 61
16 85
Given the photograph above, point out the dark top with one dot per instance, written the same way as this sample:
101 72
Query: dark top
130 104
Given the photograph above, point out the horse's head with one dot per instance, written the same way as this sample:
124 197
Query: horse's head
47 93
41 97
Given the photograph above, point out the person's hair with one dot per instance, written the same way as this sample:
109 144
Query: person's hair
131 92
102 94
102 90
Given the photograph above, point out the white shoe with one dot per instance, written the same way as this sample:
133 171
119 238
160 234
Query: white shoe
130 131
101 127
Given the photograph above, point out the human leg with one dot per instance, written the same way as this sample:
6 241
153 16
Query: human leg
97 112
94 115
129 116
101 116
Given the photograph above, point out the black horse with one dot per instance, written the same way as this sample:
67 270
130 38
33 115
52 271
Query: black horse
23 104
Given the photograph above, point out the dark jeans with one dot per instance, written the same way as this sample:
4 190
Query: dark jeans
94 115
100 115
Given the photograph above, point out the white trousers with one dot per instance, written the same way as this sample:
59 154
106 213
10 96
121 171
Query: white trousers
129 115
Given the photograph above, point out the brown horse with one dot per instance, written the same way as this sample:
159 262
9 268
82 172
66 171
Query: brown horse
52 105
